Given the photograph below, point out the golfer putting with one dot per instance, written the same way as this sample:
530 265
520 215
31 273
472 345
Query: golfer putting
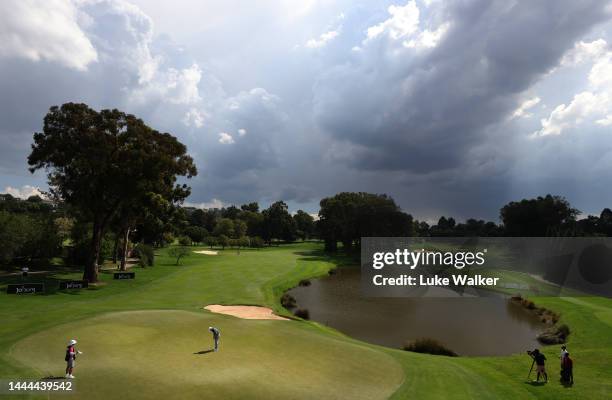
216 335
71 353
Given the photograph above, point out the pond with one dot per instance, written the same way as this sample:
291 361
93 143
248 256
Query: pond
470 326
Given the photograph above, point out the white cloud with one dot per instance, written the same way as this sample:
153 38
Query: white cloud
44 30
323 39
172 85
584 52
193 117
214 203
521 111
607 121
404 25
242 132
593 104
225 138
584 105
24 192
403 22
428 39
601 72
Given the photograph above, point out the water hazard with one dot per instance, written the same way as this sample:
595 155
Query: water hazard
479 326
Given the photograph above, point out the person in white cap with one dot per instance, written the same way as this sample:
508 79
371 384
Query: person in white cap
71 353
216 335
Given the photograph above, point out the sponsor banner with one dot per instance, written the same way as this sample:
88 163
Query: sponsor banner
72 285
25 288
124 275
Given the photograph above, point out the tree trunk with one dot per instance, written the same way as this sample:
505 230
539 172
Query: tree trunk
116 248
126 236
91 268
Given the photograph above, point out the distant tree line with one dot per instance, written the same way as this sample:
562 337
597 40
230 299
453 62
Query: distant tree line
346 217
113 192
245 226
29 229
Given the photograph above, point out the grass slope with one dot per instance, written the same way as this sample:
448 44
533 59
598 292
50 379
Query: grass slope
282 359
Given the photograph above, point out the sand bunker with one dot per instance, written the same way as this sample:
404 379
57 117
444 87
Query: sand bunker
207 252
245 312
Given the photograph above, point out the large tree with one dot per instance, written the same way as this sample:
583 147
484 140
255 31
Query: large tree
100 161
542 216
347 217
278 223
305 224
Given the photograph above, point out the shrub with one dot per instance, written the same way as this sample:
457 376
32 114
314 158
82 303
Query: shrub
554 335
429 346
145 254
244 241
304 282
211 241
302 313
223 241
288 301
563 330
167 238
196 234
256 242
179 252
185 241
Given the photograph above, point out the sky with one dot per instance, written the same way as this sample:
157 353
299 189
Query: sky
450 107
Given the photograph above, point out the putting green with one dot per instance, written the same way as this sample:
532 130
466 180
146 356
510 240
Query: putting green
153 354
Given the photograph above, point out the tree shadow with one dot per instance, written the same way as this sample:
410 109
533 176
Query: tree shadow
204 351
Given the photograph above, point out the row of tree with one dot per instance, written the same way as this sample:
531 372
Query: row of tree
114 180
273 223
346 217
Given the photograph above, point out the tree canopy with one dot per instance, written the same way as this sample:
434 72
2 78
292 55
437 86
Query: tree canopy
542 216
347 217
100 161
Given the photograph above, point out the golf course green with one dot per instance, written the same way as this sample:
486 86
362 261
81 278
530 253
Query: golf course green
147 338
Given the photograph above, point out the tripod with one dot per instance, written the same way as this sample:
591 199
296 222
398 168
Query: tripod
530 369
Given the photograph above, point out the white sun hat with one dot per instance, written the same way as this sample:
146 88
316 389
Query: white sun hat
72 342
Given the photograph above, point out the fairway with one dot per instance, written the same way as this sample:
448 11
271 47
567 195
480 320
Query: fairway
148 354
139 338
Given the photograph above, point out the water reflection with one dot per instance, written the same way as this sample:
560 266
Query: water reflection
475 326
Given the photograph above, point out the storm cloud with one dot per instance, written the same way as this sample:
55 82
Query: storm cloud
451 107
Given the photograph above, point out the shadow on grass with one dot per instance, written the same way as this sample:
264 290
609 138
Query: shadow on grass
204 351
340 258
535 383
53 378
